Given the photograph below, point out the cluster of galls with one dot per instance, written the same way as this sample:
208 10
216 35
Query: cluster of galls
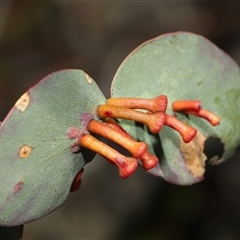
154 117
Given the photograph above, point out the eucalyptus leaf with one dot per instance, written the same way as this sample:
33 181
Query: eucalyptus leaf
183 66
37 164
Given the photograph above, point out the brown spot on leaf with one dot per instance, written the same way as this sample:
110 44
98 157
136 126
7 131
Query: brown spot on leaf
89 79
25 151
193 154
17 186
23 102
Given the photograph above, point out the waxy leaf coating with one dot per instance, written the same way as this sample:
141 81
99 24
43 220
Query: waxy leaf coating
183 66
37 164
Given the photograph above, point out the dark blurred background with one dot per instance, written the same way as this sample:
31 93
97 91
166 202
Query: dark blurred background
37 38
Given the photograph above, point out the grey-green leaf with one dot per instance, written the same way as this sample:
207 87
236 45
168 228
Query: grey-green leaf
183 66
37 164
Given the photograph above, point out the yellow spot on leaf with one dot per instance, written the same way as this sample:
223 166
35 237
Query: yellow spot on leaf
193 154
25 151
89 79
23 102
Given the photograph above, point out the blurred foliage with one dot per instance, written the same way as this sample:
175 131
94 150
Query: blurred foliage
40 37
